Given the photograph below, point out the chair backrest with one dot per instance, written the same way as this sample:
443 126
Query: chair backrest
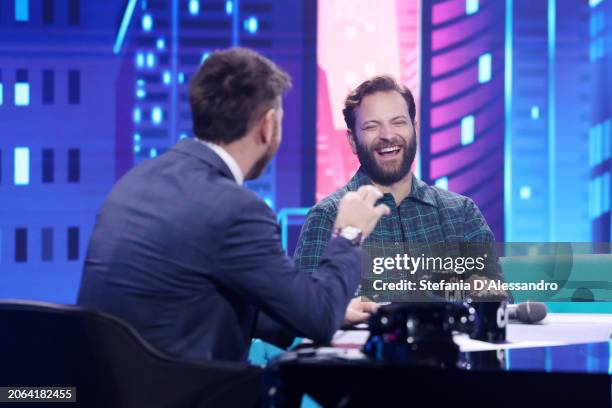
43 344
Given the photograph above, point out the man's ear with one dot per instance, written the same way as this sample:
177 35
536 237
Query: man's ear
266 127
351 141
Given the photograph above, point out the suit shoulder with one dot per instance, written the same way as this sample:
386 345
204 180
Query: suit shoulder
248 204
248 197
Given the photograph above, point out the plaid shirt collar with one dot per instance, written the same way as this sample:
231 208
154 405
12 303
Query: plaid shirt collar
419 191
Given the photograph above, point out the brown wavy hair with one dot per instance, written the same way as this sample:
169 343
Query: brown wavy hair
381 83
231 90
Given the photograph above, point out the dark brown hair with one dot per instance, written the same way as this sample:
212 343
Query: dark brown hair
231 90
382 83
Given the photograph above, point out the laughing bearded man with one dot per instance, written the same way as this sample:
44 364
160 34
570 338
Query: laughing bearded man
382 132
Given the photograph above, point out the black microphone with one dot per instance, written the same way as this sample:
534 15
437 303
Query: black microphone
527 312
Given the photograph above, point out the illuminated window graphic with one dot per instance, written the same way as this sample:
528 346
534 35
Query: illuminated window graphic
442 182
22 88
525 193
484 68
471 7
147 22
22 166
22 94
467 130
194 7
251 25
150 60
157 115
166 77
22 10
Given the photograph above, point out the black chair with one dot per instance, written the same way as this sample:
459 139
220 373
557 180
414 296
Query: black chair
43 344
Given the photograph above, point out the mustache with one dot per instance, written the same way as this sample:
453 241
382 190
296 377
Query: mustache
388 143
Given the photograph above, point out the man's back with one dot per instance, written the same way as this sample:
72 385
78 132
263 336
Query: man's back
152 254
187 257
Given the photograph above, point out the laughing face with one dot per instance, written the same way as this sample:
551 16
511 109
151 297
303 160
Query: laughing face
385 139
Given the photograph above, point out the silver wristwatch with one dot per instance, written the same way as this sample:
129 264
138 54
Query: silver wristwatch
351 233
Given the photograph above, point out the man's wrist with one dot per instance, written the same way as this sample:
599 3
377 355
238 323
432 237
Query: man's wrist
351 233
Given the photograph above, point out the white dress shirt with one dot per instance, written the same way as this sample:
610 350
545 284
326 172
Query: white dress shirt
227 159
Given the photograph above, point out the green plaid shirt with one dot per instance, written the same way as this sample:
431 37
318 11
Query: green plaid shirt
429 215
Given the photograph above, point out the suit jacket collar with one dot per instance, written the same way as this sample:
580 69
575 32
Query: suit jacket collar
204 153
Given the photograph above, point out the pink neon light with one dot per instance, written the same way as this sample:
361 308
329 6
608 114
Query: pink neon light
474 177
454 161
455 84
461 107
445 139
457 32
447 11
336 163
450 60
357 40
451 137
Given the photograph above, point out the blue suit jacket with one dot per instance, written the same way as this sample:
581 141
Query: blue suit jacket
188 257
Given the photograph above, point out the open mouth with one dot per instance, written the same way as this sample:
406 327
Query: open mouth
389 152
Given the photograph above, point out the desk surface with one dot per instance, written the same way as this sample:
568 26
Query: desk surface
564 361
562 342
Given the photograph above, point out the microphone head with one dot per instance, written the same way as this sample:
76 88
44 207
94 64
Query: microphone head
531 312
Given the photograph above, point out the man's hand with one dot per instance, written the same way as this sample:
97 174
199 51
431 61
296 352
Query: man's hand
357 209
358 311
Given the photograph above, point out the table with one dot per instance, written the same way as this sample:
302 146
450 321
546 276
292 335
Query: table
564 361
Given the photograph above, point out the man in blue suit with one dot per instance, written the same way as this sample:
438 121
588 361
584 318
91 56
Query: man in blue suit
193 260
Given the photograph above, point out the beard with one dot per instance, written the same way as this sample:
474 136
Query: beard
261 163
379 174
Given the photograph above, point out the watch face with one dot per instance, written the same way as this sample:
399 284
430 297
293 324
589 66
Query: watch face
350 233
